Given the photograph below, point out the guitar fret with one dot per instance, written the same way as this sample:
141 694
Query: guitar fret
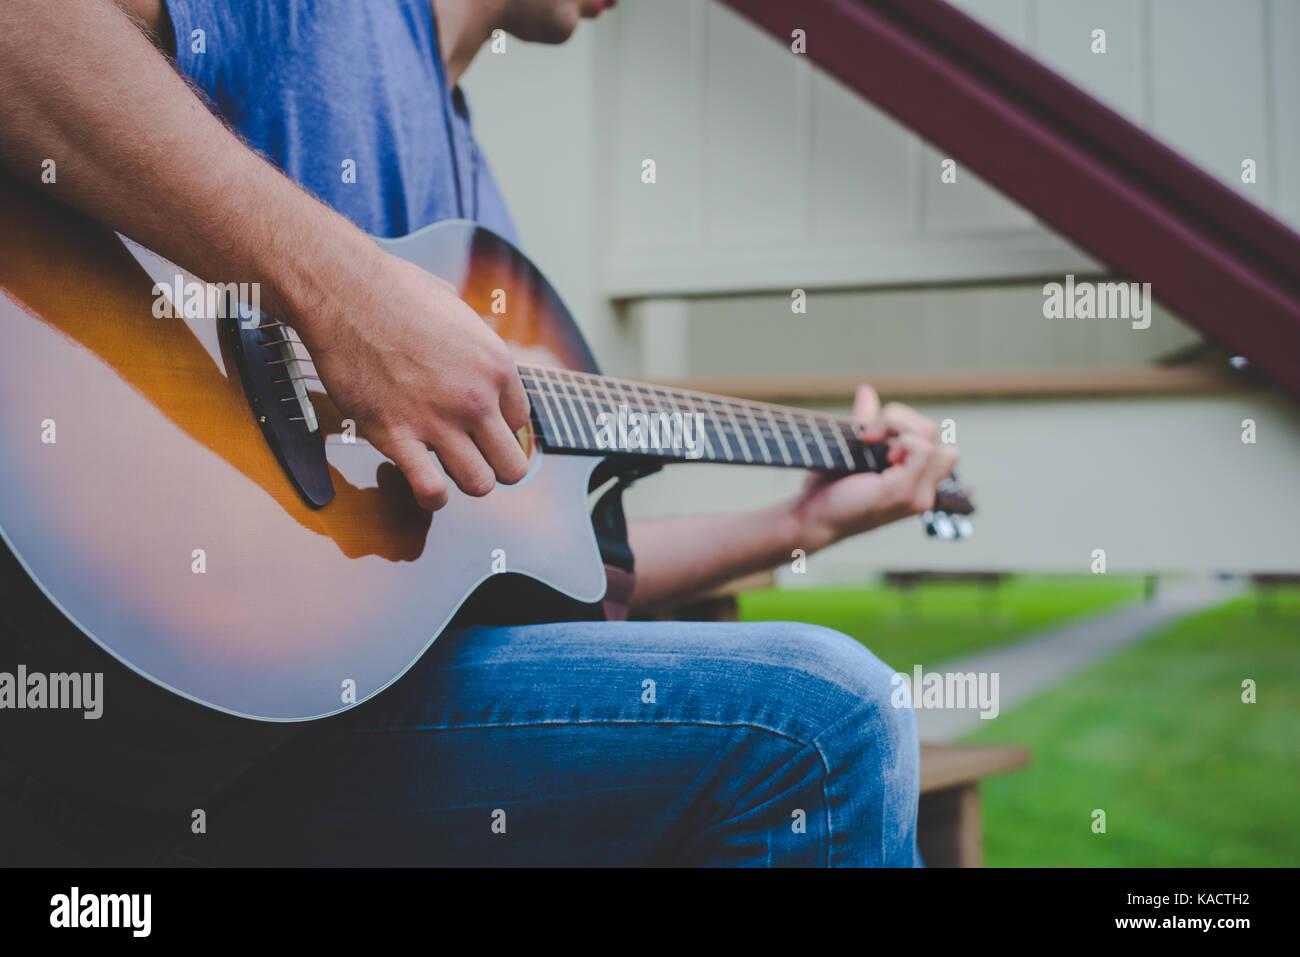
821 442
558 394
564 421
546 418
858 451
605 403
785 453
552 379
844 449
703 433
803 449
726 446
586 408
672 403
622 399
758 436
740 434
635 403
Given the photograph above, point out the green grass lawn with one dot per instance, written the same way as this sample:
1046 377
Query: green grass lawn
935 621
1159 738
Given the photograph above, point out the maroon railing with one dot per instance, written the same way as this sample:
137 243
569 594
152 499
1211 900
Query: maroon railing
1213 258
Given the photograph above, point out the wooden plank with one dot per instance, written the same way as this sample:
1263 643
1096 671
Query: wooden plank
948 765
1022 383
950 831
754 582
910 578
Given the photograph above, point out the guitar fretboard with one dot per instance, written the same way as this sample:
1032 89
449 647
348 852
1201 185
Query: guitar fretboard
582 413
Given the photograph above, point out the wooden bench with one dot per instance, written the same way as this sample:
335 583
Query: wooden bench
949 820
720 604
907 580
949 823
1266 588
910 579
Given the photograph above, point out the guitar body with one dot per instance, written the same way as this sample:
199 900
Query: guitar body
140 498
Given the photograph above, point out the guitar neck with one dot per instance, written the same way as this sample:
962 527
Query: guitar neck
586 414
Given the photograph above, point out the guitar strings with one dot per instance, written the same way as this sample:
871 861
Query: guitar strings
602 384
790 426
589 387
796 429
765 431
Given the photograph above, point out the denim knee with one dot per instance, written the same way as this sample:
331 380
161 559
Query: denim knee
866 737
849 681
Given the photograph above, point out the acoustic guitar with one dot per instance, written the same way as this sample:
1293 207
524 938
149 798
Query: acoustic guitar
181 489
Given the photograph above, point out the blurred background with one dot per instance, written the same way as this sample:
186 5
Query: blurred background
1125 687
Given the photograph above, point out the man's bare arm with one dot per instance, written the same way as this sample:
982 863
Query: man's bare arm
681 558
136 149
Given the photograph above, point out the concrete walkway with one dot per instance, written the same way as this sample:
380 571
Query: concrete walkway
1034 664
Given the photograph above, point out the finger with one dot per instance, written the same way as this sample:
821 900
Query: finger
938 468
932 464
945 460
421 472
909 451
904 418
866 410
515 407
866 404
916 466
464 463
500 448
895 418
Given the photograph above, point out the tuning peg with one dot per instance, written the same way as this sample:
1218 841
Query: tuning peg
939 524
943 526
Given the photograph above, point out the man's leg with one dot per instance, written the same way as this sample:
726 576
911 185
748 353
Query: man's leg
599 743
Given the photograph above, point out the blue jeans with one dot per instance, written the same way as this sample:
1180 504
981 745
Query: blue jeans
598 743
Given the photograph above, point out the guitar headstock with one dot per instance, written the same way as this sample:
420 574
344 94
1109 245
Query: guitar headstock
949 519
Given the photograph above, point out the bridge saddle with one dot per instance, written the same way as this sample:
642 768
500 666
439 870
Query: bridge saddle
273 366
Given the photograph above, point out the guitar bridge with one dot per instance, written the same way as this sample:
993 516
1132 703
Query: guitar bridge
275 376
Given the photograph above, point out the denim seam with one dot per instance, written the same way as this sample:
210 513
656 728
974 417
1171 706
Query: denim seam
803 745
565 723
826 798
826 802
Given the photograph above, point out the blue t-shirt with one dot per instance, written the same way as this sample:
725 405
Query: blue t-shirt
350 99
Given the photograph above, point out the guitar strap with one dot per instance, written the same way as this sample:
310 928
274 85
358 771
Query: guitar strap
607 517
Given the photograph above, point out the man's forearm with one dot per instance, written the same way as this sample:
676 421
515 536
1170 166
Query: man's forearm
680 557
397 349
135 148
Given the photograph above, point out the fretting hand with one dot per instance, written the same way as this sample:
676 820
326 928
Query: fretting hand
831 508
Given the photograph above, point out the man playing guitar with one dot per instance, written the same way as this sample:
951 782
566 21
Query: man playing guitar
214 134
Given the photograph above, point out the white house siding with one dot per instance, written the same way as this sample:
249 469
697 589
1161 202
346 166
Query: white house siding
771 176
